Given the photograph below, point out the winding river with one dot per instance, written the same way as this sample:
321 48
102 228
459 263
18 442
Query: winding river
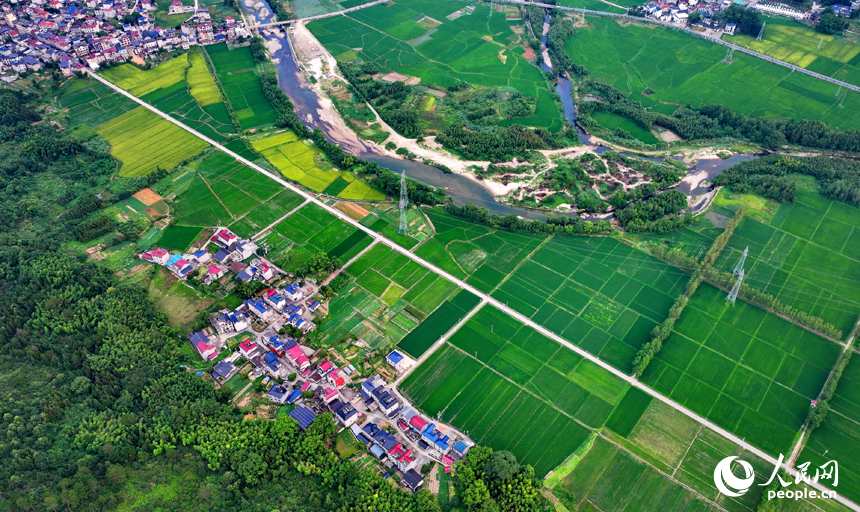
461 188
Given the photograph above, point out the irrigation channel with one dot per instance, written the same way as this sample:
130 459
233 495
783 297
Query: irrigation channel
462 189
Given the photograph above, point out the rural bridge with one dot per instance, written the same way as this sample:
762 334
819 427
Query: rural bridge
692 32
485 299
319 16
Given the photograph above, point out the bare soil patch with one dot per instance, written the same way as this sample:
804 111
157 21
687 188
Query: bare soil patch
147 196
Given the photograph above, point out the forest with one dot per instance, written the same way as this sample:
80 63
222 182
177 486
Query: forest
838 178
387 98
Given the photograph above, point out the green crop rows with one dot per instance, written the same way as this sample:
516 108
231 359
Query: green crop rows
686 69
597 293
806 257
752 373
235 70
321 232
512 388
383 305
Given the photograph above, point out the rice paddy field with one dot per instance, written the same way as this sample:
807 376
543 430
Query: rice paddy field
303 163
686 69
317 231
798 44
748 371
838 437
512 388
142 82
612 478
182 87
390 296
595 292
143 142
92 104
178 238
441 43
235 71
806 256
307 8
224 192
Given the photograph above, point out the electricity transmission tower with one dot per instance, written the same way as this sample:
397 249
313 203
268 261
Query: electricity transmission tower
843 98
760 32
739 268
837 92
404 202
730 56
819 43
735 289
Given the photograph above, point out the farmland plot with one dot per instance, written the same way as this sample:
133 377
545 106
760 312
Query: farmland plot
524 391
806 257
748 371
839 436
235 71
419 39
143 141
382 307
227 193
633 57
596 292
305 164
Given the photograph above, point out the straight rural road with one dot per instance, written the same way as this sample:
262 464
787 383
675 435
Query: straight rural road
486 299
694 33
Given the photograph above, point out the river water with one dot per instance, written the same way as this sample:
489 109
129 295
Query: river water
461 188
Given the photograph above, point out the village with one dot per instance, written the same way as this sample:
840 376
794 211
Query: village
73 35
258 340
681 11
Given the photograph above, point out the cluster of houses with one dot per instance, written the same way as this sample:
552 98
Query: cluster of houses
78 33
678 11
372 411
230 255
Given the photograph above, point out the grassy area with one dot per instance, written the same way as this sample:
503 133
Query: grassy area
613 122
346 444
685 69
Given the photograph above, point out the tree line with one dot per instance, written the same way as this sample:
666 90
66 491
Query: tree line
648 351
554 224
838 178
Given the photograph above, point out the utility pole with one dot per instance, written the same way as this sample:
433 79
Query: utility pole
739 268
735 289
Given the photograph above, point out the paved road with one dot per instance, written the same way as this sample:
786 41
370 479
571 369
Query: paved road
486 299
697 34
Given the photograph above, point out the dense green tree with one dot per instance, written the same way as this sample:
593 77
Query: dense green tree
830 24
